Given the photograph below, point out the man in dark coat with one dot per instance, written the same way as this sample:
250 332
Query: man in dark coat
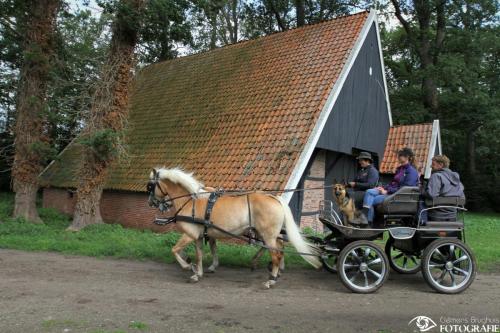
443 183
367 177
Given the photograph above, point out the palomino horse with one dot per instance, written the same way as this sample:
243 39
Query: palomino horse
233 213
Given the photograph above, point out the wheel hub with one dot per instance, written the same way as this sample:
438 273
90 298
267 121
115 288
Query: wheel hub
449 265
363 267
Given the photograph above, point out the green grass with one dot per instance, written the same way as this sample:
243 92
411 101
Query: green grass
112 240
482 233
108 240
138 325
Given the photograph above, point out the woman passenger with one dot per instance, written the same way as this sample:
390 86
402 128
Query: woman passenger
406 175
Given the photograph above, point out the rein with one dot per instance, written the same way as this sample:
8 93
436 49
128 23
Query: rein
206 222
244 192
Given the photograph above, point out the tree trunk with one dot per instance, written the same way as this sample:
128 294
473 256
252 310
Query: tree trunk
301 12
213 30
25 202
32 106
108 115
471 154
427 48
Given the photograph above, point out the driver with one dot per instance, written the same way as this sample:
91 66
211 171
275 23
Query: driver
366 178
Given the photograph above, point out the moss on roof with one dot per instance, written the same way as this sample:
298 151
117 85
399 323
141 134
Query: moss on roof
238 116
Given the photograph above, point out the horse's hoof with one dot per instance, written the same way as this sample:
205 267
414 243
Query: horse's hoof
186 268
194 279
268 284
211 269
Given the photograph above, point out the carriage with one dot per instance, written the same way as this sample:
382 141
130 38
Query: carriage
437 249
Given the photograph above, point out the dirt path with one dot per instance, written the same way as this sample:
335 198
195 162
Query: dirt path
48 292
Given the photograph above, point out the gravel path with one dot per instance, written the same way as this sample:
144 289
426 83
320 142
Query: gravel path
49 292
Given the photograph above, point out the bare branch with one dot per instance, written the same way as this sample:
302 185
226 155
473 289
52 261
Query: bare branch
9 25
400 17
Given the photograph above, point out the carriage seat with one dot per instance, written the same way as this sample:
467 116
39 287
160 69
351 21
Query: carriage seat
445 201
404 201
441 210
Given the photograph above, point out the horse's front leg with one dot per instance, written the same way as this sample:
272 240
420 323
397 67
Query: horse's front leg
198 268
215 257
184 241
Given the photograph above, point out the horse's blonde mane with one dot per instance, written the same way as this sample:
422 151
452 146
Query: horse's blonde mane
180 177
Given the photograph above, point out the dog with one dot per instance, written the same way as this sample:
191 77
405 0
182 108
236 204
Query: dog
346 205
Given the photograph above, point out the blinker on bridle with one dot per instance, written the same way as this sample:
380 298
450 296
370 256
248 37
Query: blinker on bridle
163 205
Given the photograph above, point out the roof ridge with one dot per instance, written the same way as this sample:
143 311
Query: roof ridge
304 27
401 125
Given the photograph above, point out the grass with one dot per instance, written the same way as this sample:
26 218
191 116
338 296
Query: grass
112 240
138 325
108 240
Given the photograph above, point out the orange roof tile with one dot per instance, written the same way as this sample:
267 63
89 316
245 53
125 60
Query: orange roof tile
417 137
238 116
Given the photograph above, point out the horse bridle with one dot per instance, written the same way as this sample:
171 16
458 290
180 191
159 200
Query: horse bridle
164 204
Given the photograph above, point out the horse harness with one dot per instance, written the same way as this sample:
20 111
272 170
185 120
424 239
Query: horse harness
165 204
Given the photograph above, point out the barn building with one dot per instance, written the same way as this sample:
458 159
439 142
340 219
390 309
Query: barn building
288 110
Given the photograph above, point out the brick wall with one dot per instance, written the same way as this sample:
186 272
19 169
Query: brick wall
131 210
127 208
315 177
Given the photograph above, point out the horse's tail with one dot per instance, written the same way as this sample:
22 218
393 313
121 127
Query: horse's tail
310 253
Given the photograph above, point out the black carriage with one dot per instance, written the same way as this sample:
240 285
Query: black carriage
437 249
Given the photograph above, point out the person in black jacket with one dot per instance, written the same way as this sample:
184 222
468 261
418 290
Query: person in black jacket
366 178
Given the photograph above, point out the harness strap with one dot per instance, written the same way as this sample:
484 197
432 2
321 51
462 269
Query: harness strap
249 211
208 211
251 232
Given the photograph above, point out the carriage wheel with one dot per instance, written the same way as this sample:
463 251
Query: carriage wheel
330 262
363 267
448 266
401 262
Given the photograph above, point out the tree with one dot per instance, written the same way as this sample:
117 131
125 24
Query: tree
101 138
81 42
467 85
31 144
165 27
424 23
469 93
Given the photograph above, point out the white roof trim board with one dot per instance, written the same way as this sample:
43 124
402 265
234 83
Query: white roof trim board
435 140
388 103
332 98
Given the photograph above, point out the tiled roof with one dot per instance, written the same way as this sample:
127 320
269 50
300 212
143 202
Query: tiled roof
417 137
238 116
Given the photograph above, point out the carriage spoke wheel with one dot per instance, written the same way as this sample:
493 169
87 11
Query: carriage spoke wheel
363 267
448 266
401 262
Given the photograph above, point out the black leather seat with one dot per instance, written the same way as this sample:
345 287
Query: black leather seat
445 201
441 209
405 201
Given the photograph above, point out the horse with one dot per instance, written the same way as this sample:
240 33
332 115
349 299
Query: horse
234 213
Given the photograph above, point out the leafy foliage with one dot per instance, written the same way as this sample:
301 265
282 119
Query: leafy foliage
102 143
466 74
